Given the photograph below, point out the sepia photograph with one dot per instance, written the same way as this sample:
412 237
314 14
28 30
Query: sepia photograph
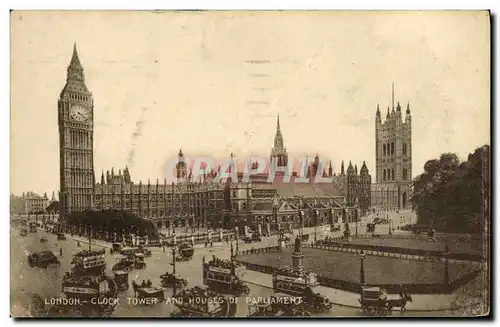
248 164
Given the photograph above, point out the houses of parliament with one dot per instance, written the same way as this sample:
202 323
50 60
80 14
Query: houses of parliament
205 202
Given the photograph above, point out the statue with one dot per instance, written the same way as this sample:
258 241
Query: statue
297 244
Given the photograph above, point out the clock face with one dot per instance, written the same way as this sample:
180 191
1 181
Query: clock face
79 113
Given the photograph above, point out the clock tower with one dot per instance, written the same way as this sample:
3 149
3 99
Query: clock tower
76 141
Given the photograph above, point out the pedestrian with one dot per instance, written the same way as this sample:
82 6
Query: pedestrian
211 243
60 252
143 283
164 248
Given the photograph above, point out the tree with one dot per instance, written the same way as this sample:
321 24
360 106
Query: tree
111 220
53 207
447 196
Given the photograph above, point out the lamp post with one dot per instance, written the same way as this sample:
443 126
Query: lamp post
446 255
90 239
315 225
390 226
362 256
173 268
356 220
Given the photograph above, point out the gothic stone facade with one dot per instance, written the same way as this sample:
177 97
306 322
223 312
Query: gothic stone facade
203 203
392 189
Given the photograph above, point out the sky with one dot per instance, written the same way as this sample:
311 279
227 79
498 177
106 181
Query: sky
213 83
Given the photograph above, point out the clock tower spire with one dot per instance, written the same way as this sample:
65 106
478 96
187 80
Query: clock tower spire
76 140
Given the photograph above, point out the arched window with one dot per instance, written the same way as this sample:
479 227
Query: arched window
384 150
392 148
392 174
385 175
405 174
404 148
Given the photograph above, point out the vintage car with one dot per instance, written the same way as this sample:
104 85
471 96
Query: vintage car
335 228
145 251
24 232
139 261
61 237
123 264
42 259
253 238
121 279
370 228
43 239
169 280
116 247
186 252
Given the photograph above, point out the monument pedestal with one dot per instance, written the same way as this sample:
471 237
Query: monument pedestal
297 259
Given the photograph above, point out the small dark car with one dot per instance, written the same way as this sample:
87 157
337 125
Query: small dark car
42 259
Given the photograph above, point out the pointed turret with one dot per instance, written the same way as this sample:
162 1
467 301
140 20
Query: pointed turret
330 169
53 196
103 182
75 69
342 172
378 118
350 169
278 138
408 113
356 169
75 61
364 169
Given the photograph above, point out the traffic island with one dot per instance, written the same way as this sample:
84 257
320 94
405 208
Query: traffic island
341 270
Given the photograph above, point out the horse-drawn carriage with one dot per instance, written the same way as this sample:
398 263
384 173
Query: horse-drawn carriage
169 280
376 301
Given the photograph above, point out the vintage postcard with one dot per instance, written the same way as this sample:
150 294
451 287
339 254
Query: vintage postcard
250 164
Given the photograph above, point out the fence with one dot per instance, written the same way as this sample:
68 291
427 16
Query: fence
392 251
355 287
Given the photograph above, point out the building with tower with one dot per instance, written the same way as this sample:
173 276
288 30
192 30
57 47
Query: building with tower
204 202
392 189
76 150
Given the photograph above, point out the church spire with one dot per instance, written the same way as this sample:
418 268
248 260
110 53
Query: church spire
278 138
392 95
75 61
75 69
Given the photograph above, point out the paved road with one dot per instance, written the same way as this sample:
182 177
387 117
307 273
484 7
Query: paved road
47 282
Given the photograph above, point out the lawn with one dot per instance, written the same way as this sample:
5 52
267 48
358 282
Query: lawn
456 244
378 270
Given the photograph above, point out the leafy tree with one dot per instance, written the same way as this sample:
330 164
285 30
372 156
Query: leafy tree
53 207
448 197
113 221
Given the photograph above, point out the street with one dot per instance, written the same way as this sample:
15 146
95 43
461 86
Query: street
47 282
